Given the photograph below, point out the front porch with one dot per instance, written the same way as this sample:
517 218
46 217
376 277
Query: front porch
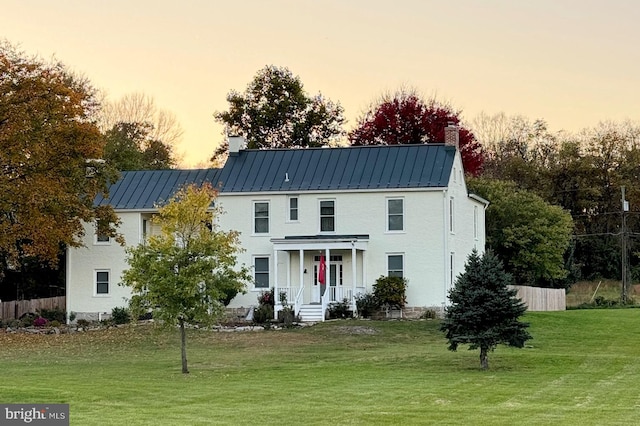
296 266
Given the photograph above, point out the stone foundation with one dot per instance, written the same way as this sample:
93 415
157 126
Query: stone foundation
236 313
410 313
92 316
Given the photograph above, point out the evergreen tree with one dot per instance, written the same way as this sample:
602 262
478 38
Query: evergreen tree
484 312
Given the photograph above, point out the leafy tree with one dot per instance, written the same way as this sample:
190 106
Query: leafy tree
183 274
275 112
129 147
406 118
484 312
48 138
527 233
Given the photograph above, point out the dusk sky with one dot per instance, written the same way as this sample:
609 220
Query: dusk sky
573 63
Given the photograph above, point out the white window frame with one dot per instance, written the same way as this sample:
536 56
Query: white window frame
96 238
268 272
320 216
402 271
291 209
95 282
253 214
452 215
388 215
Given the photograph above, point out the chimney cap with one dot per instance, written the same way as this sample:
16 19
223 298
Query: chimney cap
236 144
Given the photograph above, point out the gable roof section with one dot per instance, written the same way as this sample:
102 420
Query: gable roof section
142 190
349 168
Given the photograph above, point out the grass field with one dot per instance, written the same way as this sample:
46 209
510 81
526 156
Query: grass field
582 367
587 291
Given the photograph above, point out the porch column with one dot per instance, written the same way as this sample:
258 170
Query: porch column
353 267
275 284
301 254
364 270
327 274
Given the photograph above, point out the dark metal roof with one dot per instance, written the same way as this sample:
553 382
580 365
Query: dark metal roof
293 170
362 167
140 190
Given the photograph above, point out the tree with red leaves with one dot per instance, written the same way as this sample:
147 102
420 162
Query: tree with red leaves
405 118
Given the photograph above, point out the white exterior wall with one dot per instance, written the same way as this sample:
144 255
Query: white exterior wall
84 262
421 243
469 224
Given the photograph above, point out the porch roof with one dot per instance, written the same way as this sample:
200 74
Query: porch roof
321 242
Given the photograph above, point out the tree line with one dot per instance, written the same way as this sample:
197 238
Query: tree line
554 217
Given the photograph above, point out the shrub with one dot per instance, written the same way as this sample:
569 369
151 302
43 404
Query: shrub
429 314
40 322
55 314
72 316
340 310
366 304
287 314
120 315
27 320
83 323
263 314
390 292
267 298
55 323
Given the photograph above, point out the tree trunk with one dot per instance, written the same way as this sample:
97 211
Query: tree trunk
183 345
484 358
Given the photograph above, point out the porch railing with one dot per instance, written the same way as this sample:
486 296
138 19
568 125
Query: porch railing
294 297
298 301
339 293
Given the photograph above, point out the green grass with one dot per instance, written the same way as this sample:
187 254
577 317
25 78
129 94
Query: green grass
581 368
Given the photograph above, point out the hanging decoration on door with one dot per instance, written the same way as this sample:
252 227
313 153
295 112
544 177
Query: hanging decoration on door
322 271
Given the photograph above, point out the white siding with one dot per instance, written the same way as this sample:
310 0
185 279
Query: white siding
83 262
422 242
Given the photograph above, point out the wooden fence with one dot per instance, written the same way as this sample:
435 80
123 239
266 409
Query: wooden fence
14 309
542 299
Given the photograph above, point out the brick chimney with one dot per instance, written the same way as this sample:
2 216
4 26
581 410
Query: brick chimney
236 143
452 135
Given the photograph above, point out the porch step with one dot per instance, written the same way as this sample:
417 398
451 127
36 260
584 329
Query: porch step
311 313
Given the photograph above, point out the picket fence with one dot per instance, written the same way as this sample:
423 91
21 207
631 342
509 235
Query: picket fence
14 309
542 299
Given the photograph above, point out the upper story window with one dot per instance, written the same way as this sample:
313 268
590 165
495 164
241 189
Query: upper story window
327 216
101 238
395 214
293 209
261 217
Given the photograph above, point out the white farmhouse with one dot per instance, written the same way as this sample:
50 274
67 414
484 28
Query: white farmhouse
368 211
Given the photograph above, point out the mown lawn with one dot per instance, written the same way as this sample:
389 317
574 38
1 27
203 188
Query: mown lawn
582 367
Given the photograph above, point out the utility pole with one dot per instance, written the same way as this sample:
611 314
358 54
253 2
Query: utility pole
623 250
